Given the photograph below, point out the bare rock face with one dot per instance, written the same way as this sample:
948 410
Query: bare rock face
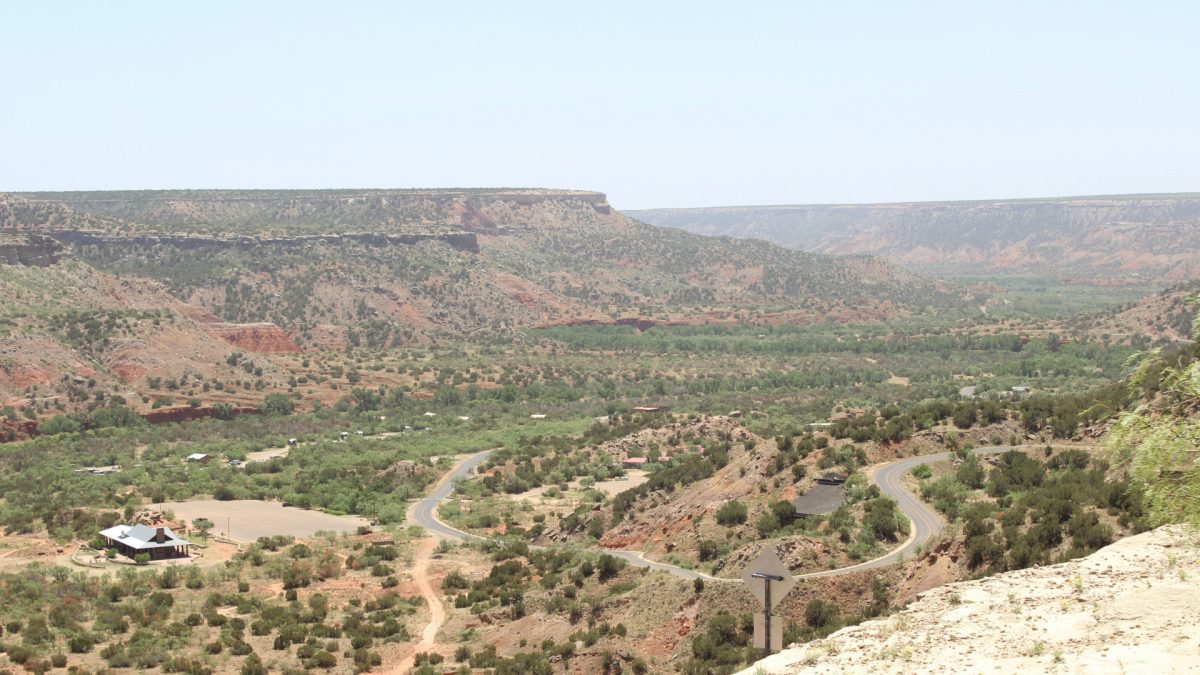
30 250
1131 607
263 338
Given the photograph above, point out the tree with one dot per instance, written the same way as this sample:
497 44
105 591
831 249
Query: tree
277 404
767 524
59 424
970 472
732 513
819 613
882 520
609 566
365 399
116 416
1155 441
203 526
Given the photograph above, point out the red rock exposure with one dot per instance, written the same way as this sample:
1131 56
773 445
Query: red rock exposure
16 430
164 415
263 338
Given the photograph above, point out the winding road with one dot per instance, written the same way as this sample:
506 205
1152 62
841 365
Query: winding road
925 521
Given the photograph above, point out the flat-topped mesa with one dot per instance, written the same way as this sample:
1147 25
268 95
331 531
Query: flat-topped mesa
463 241
30 250
286 212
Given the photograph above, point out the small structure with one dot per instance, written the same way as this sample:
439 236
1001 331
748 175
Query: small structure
647 408
967 392
537 417
344 435
634 462
160 543
199 457
1020 390
293 441
832 478
99 470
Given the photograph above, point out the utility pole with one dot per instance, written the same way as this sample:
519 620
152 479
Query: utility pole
767 579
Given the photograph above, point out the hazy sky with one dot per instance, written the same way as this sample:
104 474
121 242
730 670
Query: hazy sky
657 104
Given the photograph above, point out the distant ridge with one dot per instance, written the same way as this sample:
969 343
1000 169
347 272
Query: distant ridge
1143 237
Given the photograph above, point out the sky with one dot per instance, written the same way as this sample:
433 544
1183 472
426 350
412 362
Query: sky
658 104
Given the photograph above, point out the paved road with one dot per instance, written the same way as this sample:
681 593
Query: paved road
925 521
424 512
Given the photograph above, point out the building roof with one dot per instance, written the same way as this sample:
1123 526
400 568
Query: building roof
819 500
635 460
197 456
143 536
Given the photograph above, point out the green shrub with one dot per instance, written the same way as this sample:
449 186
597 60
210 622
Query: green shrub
732 513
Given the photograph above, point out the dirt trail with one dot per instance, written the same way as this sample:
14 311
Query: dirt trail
437 613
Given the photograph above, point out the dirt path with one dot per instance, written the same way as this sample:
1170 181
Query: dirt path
437 613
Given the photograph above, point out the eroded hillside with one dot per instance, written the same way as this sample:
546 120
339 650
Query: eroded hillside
386 267
1120 237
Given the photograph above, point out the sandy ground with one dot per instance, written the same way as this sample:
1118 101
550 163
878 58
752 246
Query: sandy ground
632 479
249 519
437 613
1132 607
267 455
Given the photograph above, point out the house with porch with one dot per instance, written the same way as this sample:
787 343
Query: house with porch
160 543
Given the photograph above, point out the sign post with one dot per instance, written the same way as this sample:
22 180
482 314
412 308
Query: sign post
769 580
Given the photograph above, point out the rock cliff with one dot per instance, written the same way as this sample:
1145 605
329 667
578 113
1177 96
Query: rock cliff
30 250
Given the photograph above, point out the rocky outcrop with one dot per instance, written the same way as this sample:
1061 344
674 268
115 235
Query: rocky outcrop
30 250
165 415
1130 607
262 338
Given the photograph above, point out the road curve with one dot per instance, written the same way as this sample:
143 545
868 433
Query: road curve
925 521
424 512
